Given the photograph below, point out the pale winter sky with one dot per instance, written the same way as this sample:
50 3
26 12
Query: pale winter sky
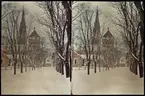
104 8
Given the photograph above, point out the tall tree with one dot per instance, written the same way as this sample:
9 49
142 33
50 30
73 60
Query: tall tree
22 39
67 6
128 21
11 28
85 29
57 21
140 7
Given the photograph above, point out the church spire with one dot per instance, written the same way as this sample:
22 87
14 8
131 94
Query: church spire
96 29
108 28
97 11
23 16
22 29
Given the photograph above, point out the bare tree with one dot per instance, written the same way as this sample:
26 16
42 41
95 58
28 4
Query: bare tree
84 28
68 6
14 31
129 24
56 22
140 7
11 27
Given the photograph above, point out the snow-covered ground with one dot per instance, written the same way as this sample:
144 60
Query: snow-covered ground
48 81
115 81
40 81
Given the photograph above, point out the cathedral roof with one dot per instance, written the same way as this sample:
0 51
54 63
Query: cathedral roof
34 34
108 34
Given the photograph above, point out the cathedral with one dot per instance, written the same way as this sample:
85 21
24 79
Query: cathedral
23 41
108 48
108 41
104 45
32 39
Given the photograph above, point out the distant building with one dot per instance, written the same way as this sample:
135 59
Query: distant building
22 41
34 39
108 40
34 50
77 60
108 48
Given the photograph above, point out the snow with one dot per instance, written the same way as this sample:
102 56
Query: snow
40 81
47 81
114 81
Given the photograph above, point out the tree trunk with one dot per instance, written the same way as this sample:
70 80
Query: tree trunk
70 68
140 70
135 68
95 68
25 64
67 69
15 64
141 54
60 67
21 60
89 67
21 67
83 62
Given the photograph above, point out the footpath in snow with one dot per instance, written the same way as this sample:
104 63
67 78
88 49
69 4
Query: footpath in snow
114 81
48 81
40 81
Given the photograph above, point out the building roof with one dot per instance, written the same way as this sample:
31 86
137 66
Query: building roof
75 54
34 34
108 34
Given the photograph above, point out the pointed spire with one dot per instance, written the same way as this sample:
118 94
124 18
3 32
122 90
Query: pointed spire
22 29
23 13
96 29
108 28
97 11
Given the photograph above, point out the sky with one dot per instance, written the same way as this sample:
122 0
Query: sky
104 8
